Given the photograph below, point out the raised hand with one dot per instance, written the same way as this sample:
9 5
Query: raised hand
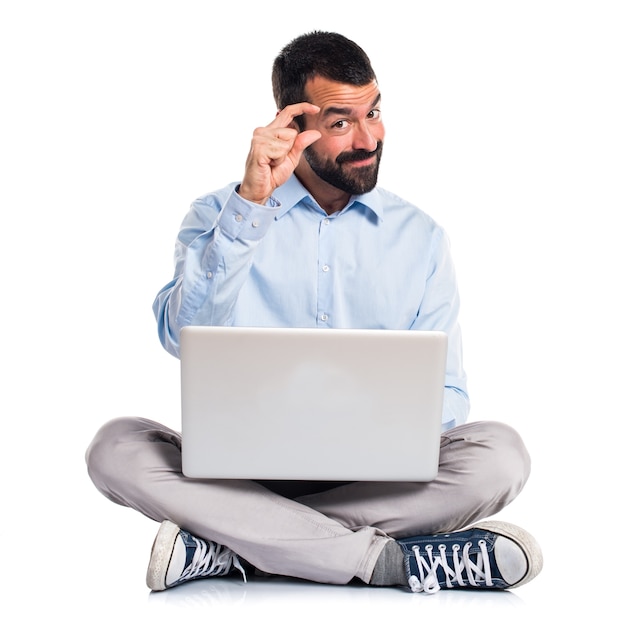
275 152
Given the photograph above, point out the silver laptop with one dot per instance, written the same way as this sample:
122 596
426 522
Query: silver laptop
311 404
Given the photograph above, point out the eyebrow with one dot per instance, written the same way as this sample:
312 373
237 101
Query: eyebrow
347 110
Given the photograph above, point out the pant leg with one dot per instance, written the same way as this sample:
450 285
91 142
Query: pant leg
136 462
483 466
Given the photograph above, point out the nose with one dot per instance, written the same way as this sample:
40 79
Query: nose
364 138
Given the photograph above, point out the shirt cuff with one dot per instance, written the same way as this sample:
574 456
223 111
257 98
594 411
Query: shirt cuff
241 219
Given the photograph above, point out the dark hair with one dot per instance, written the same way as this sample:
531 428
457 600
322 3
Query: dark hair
318 53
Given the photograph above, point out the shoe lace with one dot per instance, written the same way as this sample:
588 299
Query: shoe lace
211 559
453 564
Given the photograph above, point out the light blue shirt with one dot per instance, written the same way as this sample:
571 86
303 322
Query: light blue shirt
379 263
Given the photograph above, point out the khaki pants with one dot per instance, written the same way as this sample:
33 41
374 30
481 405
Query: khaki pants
321 532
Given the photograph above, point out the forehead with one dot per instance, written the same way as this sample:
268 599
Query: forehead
329 94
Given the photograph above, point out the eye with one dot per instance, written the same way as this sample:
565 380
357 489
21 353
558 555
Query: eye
374 114
340 124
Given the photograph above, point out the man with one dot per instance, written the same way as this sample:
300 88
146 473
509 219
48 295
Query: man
308 239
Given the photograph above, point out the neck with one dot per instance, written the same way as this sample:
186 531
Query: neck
328 197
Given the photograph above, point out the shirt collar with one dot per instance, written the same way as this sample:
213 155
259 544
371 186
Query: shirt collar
293 192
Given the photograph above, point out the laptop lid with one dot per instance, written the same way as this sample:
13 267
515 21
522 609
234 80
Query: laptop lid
311 404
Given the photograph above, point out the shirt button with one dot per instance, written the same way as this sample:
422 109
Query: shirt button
326 222
238 217
324 317
325 268
209 274
255 224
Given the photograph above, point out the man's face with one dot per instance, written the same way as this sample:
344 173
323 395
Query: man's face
347 156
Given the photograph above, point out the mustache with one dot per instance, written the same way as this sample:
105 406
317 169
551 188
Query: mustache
359 155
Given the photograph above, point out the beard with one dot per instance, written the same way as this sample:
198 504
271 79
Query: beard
352 180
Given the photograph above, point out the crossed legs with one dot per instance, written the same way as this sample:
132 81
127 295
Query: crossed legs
326 536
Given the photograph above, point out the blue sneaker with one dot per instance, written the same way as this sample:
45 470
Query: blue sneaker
178 556
490 555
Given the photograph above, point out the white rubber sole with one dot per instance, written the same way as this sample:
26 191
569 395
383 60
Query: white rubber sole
521 537
161 555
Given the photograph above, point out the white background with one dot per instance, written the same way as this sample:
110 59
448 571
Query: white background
505 121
